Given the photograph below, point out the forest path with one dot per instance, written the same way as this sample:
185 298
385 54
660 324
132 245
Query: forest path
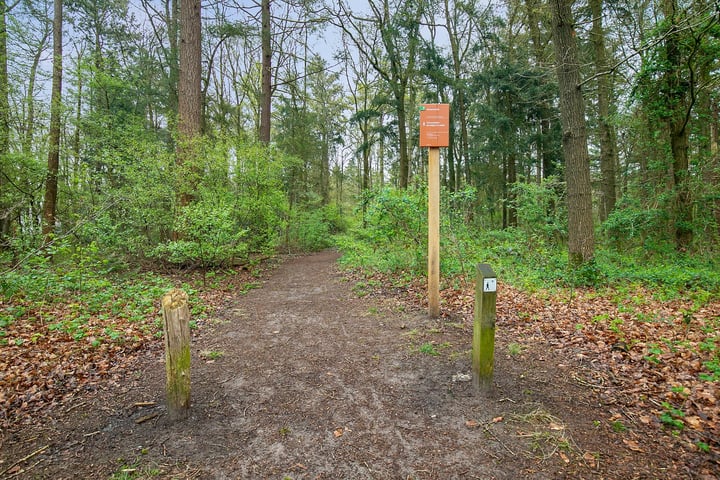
303 379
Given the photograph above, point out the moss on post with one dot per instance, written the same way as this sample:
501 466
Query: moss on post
176 316
483 351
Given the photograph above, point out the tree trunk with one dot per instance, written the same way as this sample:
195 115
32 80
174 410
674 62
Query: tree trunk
51 182
608 147
451 182
512 218
459 96
29 133
402 139
5 216
546 162
173 12
581 241
189 98
4 87
679 106
715 159
266 74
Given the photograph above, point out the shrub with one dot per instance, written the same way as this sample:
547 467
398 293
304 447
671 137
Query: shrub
209 236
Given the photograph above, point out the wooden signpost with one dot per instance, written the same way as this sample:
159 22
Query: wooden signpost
434 133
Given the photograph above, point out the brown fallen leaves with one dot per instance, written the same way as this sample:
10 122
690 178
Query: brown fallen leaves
42 366
651 359
662 373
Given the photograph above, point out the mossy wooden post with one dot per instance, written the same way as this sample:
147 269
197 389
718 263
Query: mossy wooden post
176 316
483 352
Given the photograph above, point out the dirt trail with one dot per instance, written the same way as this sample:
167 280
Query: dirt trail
302 379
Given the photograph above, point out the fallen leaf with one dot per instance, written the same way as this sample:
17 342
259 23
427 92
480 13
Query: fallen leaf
564 457
471 424
338 432
633 445
589 458
693 422
498 419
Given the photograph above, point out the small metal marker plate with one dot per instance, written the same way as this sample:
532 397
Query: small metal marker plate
490 285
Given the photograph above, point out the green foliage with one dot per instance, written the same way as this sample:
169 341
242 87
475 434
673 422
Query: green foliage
630 225
531 256
209 236
314 229
261 204
395 236
672 417
80 296
540 209
428 349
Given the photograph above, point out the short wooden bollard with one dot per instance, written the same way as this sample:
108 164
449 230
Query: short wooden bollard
483 351
176 316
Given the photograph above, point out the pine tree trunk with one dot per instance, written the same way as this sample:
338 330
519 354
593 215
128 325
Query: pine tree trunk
189 98
581 241
266 74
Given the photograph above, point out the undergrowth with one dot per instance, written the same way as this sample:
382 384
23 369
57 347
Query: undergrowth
394 240
82 295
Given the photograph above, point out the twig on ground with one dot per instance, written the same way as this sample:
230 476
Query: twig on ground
146 418
70 409
489 432
26 458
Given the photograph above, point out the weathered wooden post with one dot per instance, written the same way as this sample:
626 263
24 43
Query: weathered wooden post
176 316
434 133
434 232
483 352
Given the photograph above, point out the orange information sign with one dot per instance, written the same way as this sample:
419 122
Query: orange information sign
435 125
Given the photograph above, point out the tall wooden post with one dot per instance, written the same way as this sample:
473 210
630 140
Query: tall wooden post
434 232
483 351
434 133
176 316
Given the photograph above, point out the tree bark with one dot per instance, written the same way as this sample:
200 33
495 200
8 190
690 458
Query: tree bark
51 182
511 179
715 159
680 104
189 98
5 217
581 241
402 138
266 74
459 94
608 146
4 87
29 133
546 163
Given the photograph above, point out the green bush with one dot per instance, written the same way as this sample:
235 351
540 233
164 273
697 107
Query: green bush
630 225
540 209
208 236
314 229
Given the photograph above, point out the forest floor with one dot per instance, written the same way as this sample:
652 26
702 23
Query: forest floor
316 374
